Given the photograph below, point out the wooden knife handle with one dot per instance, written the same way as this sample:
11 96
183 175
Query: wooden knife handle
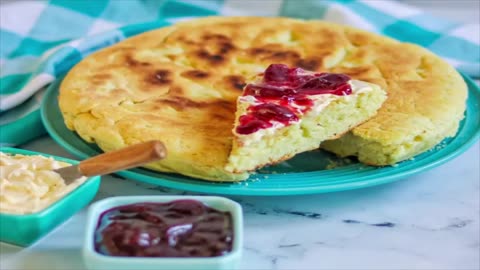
125 158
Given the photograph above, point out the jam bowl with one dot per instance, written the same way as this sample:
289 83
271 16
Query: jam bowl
163 232
23 229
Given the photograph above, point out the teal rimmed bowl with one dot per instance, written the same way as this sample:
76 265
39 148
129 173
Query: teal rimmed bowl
94 260
23 230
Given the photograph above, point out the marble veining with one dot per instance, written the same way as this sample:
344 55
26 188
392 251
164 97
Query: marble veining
382 224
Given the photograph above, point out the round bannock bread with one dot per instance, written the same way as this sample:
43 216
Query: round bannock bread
179 84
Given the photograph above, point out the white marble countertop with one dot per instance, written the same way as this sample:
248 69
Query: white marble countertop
428 221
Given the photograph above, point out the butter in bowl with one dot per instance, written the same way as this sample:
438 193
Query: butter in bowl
34 199
38 191
163 232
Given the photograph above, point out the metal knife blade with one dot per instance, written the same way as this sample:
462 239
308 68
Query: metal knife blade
69 174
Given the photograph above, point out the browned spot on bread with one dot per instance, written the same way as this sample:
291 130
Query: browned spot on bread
181 103
161 76
358 38
132 62
225 47
236 82
216 58
203 54
221 116
178 103
215 37
172 57
195 74
284 56
309 63
227 105
258 51
211 58
221 43
276 54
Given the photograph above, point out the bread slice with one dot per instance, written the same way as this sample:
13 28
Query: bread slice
180 84
289 110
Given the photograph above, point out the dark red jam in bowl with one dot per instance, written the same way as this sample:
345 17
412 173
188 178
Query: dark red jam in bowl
284 94
182 228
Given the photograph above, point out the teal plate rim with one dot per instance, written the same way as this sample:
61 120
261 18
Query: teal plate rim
348 177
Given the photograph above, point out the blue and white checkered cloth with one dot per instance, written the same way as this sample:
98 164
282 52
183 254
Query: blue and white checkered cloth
41 40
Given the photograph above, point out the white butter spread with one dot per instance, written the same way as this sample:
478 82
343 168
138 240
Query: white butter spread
28 183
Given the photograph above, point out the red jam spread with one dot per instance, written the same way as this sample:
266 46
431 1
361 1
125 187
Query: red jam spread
182 228
284 94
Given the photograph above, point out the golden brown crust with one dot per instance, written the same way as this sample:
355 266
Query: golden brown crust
179 84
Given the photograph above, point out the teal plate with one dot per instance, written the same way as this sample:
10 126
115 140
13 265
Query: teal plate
307 173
